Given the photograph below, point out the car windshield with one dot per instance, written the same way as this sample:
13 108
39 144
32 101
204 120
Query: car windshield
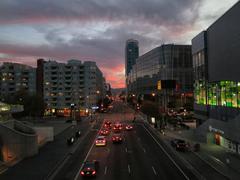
89 165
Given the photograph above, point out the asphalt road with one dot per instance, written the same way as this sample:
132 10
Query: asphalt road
140 156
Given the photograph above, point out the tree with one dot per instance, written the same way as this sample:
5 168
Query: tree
32 103
151 109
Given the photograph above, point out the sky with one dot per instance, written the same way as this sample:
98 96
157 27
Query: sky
96 30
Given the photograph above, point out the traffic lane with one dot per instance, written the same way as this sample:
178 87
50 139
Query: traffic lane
112 158
71 167
163 165
49 155
116 165
141 166
202 167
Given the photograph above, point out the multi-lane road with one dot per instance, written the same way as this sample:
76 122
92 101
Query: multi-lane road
141 155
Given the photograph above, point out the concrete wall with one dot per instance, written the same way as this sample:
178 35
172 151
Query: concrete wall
223 45
44 134
18 141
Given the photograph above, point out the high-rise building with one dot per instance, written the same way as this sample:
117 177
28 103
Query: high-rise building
131 54
217 82
65 84
16 77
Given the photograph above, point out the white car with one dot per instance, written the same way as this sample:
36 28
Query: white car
101 141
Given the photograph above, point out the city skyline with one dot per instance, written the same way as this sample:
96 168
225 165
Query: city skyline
88 30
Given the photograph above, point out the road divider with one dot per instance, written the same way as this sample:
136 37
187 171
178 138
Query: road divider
105 170
129 169
154 171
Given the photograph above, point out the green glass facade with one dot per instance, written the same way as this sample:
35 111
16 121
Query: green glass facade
223 93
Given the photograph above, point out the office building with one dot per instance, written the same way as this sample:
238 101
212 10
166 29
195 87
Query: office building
217 82
166 62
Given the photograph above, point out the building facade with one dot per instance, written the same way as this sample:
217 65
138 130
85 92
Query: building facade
73 83
217 81
166 62
16 77
131 54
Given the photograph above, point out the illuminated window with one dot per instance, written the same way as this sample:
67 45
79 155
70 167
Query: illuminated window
212 94
238 94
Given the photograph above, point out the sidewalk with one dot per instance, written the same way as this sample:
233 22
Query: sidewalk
218 157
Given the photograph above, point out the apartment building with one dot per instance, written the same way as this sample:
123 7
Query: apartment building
63 85
16 77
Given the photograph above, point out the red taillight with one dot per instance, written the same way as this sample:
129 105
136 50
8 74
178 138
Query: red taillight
104 140
94 172
82 173
96 141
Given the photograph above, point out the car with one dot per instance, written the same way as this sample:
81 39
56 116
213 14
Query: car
104 132
180 145
117 138
101 141
89 169
77 133
108 123
70 140
128 127
117 127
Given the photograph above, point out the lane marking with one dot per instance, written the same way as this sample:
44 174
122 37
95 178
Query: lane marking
154 171
129 169
126 150
186 177
144 150
105 170
78 173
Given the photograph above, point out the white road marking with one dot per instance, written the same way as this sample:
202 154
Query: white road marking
129 169
144 150
105 170
126 150
154 170
186 177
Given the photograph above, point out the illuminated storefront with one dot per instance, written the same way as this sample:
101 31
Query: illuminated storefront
223 93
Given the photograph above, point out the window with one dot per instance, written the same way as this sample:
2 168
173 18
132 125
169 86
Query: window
238 94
